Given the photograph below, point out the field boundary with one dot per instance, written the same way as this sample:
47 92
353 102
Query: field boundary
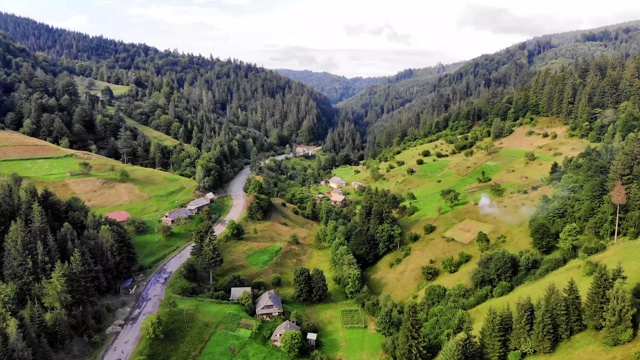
39 158
348 318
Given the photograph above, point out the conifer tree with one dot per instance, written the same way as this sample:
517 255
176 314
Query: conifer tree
17 265
597 299
522 325
302 284
461 347
493 340
573 302
211 257
81 288
411 341
618 316
545 332
320 288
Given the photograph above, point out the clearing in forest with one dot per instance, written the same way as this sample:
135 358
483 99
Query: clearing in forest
467 230
97 192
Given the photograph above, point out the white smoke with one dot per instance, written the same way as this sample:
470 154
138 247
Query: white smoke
517 216
487 206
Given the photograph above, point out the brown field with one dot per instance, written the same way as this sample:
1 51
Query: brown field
467 230
14 145
101 192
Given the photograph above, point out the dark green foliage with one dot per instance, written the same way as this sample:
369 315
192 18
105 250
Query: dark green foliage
597 299
388 320
410 171
123 175
523 320
546 324
320 288
413 237
276 279
411 341
425 153
463 258
309 286
292 343
419 161
495 267
483 179
259 207
246 300
442 322
450 265
483 241
235 280
430 272
450 196
461 347
234 230
502 289
573 303
433 295
497 189
617 325
494 334
428 228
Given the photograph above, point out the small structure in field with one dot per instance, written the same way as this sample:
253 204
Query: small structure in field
198 204
357 185
337 182
304 150
174 215
336 192
210 196
324 183
319 197
269 305
281 329
126 286
119 216
236 292
311 338
338 199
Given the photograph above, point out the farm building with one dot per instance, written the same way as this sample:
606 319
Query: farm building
336 192
281 329
196 205
210 196
357 185
304 150
269 305
236 292
338 199
174 215
119 216
336 182
319 197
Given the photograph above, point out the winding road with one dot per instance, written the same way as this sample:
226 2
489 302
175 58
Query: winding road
125 342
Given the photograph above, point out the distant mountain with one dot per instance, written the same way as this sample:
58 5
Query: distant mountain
458 98
335 87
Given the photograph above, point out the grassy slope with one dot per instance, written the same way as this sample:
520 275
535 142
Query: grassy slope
154 135
506 165
157 191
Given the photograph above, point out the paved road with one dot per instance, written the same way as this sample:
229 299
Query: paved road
125 343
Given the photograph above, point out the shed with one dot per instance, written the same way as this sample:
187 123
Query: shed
210 196
336 192
337 182
311 338
195 205
119 216
338 199
236 292
357 185
281 329
174 215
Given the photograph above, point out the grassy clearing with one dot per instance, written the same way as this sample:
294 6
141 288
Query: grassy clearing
99 85
154 135
147 195
338 342
506 165
221 206
261 258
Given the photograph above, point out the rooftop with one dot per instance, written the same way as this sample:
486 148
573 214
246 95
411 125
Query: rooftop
236 292
199 202
177 214
120 215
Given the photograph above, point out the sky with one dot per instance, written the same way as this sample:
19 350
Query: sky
344 37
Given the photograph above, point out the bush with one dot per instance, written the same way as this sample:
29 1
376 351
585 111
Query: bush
428 228
430 272
419 162
411 196
441 155
591 267
450 265
468 153
545 134
410 171
413 237
284 204
296 211
259 284
400 162
406 251
549 264
294 240
412 210
516 355
390 167
164 230
425 153
502 289
497 189
530 156
592 249
276 280
553 135
136 226
463 258
123 175
234 230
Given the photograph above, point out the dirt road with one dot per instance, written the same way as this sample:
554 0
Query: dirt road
125 343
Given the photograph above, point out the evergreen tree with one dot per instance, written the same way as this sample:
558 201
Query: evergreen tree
81 288
461 347
302 284
17 265
388 319
597 299
523 320
493 338
546 324
320 288
573 302
618 316
210 258
411 341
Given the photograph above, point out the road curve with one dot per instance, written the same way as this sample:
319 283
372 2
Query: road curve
126 341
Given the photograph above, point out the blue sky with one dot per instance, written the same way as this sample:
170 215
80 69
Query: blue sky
346 37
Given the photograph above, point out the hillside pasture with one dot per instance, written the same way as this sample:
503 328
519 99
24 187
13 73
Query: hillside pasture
14 146
467 230
522 182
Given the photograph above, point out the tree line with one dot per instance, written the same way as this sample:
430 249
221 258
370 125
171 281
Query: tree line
58 261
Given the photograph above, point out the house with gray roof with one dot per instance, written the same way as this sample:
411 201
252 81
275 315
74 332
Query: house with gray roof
174 215
337 182
236 292
196 205
281 329
269 305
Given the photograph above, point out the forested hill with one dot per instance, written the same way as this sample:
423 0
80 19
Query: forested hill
226 110
478 91
337 88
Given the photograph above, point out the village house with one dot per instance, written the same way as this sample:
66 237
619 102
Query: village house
281 329
269 305
304 150
338 199
119 216
319 197
236 292
357 185
336 192
198 204
336 182
174 215
210 196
